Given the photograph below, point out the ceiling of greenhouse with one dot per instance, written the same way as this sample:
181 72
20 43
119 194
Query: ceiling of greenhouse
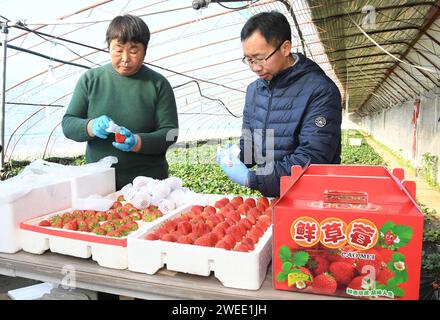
381 55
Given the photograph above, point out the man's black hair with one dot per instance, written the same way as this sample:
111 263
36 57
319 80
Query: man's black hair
128 28
272 25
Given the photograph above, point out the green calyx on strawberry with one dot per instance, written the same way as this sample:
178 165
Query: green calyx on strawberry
119 138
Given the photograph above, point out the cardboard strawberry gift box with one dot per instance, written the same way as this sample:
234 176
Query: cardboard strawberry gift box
351 231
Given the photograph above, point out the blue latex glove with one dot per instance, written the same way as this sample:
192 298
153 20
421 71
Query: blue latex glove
233 167
99 126
129 143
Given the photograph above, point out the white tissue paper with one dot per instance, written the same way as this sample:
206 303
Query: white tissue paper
93 202
166 205
178 196
113 127
174 183
141 201
141 181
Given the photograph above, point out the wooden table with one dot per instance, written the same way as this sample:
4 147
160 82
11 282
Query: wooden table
165 284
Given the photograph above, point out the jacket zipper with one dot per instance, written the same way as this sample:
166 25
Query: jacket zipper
263 152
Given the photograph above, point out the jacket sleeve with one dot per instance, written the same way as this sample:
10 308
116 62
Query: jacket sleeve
75 120
319 140
166 133
246 140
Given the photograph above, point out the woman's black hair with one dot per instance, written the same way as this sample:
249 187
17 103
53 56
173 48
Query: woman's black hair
128 28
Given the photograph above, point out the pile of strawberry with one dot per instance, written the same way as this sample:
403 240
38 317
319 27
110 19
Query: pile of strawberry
328 270
234 224
117 222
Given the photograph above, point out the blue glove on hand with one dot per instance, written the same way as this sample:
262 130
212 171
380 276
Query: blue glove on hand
233 167
99 126
130 140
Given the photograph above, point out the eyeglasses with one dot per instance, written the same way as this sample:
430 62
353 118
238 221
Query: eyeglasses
259 62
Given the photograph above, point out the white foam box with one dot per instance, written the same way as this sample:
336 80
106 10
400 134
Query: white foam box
234 269
106 251
49 198
40 200
101 182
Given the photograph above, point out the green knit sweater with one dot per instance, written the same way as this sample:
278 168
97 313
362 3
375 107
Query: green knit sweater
144 103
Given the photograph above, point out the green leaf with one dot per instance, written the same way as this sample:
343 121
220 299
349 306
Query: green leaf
281 277
287 266
401 276
404 233
398 257
398 292
392 282
300 258
387 226
285 254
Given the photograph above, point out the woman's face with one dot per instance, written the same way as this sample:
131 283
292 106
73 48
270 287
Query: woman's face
127 58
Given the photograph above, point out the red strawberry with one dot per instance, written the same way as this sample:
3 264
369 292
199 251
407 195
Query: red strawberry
342 271
264 202
170 226
235 232
114 233
250 202
44 223
197 209
185 239
384 276
359 283
266 220
389 238
184 227
386 254
243 209
241 247
204 241
210 210
237 199
246 223
119 138
168 237
151 236
249 243
223 245
324 283
99 231
71 225
230 240
318 265
233 215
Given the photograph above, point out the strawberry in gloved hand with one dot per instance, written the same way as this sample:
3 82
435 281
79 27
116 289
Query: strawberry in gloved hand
119 138
129 142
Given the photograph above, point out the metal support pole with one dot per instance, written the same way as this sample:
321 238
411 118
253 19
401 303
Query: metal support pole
4 40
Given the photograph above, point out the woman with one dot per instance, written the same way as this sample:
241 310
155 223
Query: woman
134 97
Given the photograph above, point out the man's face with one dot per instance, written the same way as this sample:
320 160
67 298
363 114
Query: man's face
127 58
256 51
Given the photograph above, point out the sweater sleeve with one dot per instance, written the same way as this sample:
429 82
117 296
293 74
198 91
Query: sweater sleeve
319 140
74 123
166 133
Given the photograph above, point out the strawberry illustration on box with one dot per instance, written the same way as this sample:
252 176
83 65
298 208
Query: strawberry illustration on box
362 242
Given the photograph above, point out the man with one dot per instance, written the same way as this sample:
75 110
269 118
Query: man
292 113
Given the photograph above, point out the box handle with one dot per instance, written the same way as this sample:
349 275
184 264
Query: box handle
352 197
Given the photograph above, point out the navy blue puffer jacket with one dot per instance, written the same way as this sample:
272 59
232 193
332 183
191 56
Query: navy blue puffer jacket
293 119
